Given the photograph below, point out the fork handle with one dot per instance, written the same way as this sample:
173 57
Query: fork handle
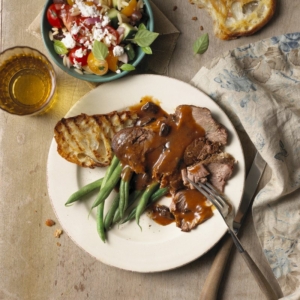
211 286
261 280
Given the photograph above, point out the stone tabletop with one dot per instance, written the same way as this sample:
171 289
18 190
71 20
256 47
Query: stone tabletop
36 265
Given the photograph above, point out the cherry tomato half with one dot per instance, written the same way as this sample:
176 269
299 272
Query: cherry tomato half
75 59
112 61
66 16
130 8
52 16
99 67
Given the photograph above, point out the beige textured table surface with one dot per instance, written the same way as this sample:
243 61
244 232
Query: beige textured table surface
32 265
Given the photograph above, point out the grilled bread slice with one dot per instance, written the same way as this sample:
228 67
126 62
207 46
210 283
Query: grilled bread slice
233 19
86 140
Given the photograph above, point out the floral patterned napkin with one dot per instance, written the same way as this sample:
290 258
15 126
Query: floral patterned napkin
258 86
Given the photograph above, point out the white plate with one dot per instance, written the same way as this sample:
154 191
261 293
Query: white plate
155 248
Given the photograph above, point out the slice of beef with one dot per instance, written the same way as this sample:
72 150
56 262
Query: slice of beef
220 169
130 145
171 179
190 208
200 149
198 174
214 131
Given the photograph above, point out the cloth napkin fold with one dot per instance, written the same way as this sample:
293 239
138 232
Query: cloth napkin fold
258 86
162 47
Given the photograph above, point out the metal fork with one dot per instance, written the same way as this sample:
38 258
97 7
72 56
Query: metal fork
227 213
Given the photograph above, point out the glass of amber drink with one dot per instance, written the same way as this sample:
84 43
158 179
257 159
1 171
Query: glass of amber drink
27 81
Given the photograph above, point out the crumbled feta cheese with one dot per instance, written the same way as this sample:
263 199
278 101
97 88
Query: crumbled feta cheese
75 29
76 64
87 10
80 52
118 71
118 51
98 34
68 41
105 21
87 44
98 25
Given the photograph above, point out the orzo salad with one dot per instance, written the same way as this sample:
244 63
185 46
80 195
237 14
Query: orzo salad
98 36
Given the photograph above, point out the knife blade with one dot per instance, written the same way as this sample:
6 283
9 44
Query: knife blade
211 286
251 183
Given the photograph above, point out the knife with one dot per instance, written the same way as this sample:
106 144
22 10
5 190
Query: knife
213 280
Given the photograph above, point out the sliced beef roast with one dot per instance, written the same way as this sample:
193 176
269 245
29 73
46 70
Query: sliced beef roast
200 149
190 208
219 168
131 145
214 131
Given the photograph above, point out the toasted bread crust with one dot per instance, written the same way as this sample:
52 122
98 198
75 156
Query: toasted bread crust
233 19
86 140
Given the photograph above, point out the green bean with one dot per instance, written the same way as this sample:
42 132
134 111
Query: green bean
158 194
124 190
132 197
84 191
110 169
111 212
144 200
109 186
100 222
154 197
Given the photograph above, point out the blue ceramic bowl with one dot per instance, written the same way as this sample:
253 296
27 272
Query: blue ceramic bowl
109 76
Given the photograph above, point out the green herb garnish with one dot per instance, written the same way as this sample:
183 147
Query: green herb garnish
201 44
60 48
127 67
147 50
100 50
144 37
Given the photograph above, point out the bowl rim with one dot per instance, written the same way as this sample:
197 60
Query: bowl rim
92 77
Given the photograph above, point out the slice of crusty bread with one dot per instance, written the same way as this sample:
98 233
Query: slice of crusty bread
233 19
86 140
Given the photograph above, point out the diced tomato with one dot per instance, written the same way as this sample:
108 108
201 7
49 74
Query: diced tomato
74 59
53 15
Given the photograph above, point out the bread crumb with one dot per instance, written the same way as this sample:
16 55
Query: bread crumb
58 233
58 244
174 8
49 222
194 18
201 28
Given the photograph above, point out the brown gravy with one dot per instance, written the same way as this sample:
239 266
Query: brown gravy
161 214
193 209
166 154
166 151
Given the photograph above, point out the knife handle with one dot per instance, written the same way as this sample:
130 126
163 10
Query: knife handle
211 286
261 280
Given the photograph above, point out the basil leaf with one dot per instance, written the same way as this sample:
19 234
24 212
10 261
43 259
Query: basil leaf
100 50
142 26
201 44
127 67
147 50
60 48
145 38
